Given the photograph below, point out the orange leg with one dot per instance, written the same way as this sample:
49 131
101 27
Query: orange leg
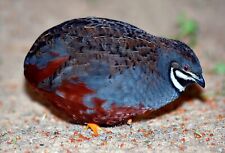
95 128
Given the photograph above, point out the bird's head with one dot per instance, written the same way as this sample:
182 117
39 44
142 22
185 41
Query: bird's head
185 69
183 66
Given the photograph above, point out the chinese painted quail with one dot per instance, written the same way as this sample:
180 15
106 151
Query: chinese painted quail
106 71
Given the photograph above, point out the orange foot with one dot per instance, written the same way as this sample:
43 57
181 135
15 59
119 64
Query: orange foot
95 128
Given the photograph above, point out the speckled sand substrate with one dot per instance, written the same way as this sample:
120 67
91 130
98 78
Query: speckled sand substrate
26 125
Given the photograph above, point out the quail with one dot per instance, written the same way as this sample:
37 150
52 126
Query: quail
104 71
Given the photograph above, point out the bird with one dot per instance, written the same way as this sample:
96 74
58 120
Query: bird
106 72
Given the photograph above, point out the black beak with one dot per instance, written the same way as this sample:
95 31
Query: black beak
201 81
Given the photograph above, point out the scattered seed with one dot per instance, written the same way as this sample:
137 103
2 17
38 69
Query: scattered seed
197 134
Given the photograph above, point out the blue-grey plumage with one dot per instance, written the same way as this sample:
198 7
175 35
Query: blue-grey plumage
121 64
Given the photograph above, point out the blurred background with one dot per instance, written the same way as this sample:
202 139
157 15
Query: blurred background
199 23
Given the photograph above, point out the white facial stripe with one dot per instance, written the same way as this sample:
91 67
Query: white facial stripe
183 76
193 75
175 82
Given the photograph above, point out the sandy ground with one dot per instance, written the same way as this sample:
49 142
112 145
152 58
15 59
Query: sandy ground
28 125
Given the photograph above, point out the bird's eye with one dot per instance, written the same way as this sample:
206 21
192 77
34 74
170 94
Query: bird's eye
186 67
